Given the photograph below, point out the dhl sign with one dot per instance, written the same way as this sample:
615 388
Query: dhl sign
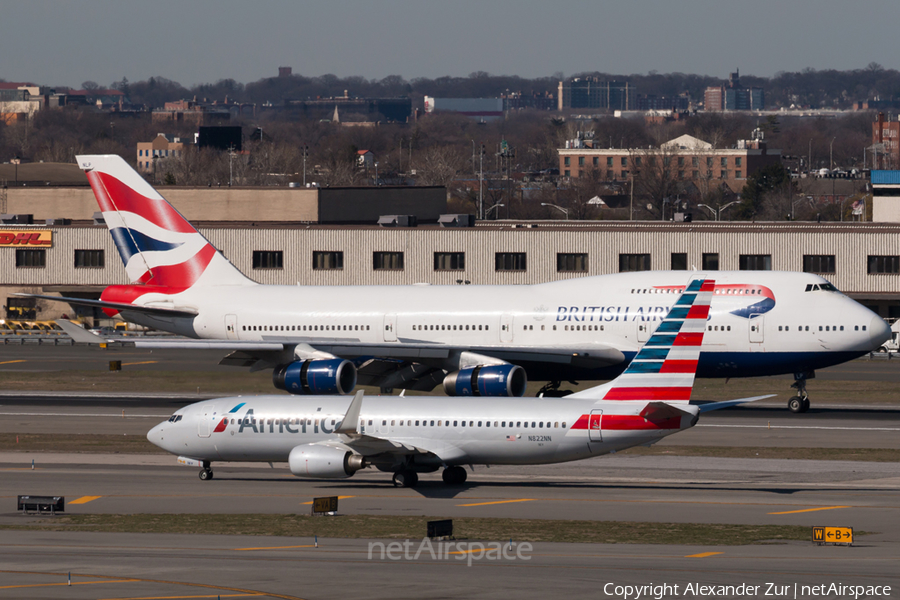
13 237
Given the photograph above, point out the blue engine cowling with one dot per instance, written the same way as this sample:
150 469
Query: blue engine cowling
332 376
487 380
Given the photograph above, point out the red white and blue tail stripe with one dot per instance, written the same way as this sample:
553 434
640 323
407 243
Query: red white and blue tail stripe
158 246
664 368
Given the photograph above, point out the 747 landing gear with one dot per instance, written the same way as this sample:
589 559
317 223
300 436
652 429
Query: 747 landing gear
800 402
406 478
454 475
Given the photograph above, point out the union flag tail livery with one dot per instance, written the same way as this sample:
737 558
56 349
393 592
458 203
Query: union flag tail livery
664 368
160 248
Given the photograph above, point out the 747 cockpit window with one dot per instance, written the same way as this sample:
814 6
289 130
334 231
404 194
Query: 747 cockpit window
826 287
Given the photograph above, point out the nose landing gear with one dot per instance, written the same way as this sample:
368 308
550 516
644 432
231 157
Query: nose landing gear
800 402
206 474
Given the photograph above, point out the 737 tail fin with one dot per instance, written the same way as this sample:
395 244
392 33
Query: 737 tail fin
665 367
158 246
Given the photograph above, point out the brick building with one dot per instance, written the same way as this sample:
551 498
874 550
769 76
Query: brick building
687 158
885 143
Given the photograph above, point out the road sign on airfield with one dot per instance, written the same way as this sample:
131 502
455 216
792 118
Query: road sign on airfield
832 535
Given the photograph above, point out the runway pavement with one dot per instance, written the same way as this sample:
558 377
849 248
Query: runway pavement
863 495
35 565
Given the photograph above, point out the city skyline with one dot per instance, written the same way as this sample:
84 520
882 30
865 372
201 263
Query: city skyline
64 44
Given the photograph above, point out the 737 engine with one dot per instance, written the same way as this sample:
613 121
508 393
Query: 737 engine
487 380
332 376
312 460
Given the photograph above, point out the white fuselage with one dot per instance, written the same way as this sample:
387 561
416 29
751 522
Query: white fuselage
761 322
458 431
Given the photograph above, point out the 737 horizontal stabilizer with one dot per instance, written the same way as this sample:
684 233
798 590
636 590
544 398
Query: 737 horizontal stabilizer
709 406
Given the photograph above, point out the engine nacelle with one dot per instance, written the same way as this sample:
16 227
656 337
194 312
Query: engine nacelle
487 380
332 376
324 462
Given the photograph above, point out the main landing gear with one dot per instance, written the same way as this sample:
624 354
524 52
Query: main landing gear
454 475
551 390
406 478
800 402
206 474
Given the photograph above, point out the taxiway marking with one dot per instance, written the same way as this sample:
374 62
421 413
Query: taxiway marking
802 427
275 548
146 362
499 502
339 498
790 512
85 499
703 554
9 362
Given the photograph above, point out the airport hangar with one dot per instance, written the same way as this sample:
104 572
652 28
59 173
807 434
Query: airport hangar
331 236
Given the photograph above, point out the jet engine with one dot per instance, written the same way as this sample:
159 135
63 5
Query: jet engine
332 376
487 380
325 462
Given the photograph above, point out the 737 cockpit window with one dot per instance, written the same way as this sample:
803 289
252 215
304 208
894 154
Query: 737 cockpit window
175 418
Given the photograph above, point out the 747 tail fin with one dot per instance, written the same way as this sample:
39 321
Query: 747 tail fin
158 246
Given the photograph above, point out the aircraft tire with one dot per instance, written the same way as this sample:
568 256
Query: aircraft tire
206 474
406 478
795 405
805 406
454 476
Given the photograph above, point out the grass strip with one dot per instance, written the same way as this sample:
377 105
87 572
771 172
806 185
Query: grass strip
77 443
406 527
235 381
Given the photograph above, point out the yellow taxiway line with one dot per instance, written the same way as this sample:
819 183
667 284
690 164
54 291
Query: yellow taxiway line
339 498
9 362
703 554
146 362
85 499
791 512
275 548
499 502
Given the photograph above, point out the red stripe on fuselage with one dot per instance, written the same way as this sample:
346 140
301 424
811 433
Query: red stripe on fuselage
648 393
221 426
628 423
113 195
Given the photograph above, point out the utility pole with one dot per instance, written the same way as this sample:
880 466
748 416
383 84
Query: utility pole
481 185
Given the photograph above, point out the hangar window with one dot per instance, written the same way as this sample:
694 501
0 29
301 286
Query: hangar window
818 263
755 262
268 259
571 262
710 261
387 261
510 261
449 261
634 262
31 258
89 259
882 264
323 260
679 261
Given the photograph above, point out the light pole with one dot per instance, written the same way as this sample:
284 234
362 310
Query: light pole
376 174
831 154
498 205
809 166
305 152
565 211
718 212
481 184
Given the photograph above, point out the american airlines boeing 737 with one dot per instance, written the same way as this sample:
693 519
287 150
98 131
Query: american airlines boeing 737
329 437
475 340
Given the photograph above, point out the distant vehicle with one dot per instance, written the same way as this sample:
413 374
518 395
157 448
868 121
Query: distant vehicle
823 172
893 344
